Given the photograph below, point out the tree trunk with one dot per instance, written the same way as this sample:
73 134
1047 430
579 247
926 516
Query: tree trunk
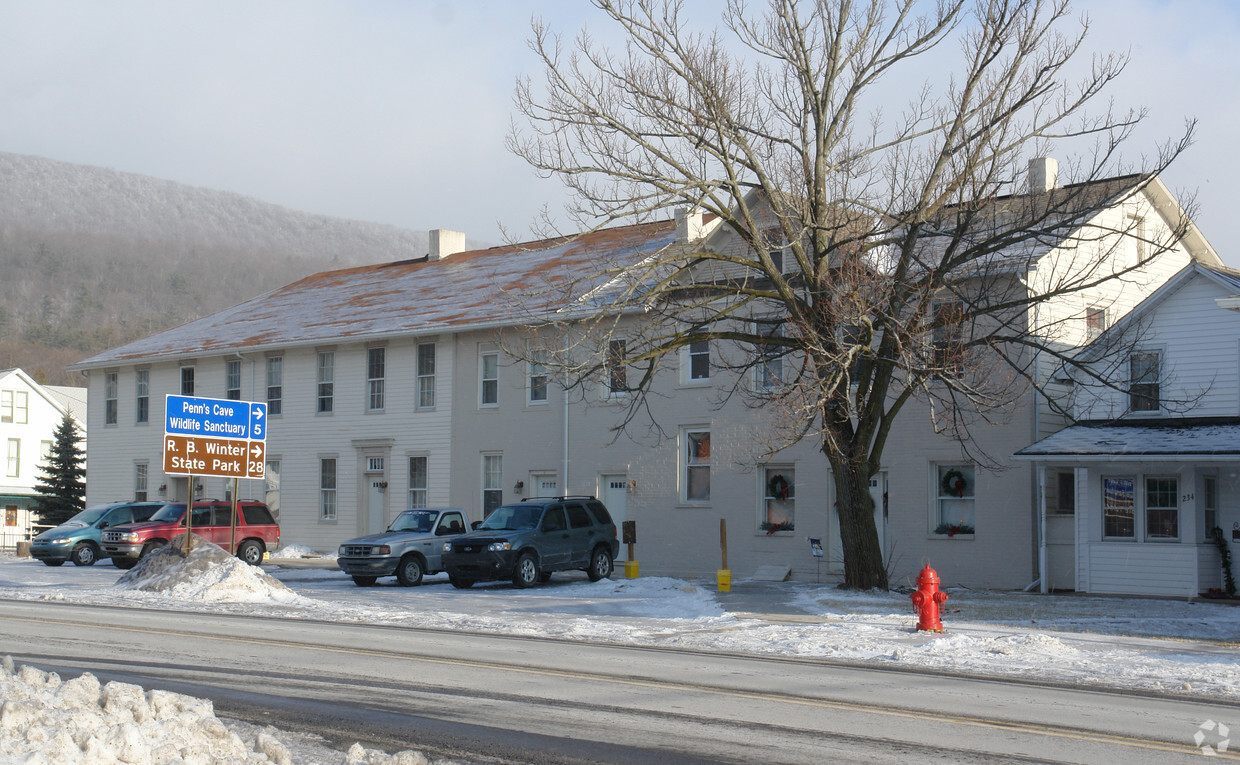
863 556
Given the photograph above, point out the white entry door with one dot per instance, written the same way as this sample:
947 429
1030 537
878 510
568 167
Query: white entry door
376 517
615 495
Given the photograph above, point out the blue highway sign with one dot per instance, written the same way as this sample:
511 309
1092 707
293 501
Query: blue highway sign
216 418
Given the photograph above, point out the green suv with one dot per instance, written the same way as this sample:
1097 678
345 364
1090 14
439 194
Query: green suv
528 540
77 539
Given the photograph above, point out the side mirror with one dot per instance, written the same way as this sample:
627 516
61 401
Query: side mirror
474 526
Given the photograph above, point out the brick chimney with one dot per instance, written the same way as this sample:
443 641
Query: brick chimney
444 243
1043 175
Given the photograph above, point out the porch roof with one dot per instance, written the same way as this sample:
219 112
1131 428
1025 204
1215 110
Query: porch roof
1167 440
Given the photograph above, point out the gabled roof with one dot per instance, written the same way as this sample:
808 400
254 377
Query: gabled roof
1227 278
64 399
468 290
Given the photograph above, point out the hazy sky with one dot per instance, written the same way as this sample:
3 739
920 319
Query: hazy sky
396 110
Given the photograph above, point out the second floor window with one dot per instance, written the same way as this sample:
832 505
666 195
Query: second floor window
187 381
489 387
326 382
538 383
376 362
617 372
232 380
110 394
15 458
275 384
948 337
699 360
142 395
1095 322
426 375
1144 394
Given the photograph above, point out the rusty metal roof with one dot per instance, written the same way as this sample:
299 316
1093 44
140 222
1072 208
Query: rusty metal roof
480 288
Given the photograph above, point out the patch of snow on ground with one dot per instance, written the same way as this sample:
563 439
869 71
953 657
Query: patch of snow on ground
295 551
48 721
207 573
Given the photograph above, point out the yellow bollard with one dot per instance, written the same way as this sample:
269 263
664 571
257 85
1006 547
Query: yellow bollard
630 569
724 577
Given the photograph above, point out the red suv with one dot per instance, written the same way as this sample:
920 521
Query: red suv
257 531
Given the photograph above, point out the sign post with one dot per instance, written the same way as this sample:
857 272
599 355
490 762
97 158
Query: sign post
214 437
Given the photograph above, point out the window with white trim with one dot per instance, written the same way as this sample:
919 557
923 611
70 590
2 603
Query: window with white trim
1144 372
232 380
325 380
1095 322
426 375
617 372
775 246
1119 507
139 481
1209 506
376 363
1162 508
419 482
275 385
142 395
698 358
948 337
327 489
769 370
779 500
488 377
14 466
492 482
45 451
6 406
695 461
111 392
955 502
537 387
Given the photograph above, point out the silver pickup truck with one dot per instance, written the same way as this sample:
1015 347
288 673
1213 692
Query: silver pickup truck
412 546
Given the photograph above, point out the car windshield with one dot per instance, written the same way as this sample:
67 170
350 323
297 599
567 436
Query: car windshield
421 521
512 518
89 515
169 513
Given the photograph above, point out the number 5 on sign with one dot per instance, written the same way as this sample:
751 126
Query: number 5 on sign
258 422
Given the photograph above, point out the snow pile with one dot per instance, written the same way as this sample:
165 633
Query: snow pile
208 573
47 721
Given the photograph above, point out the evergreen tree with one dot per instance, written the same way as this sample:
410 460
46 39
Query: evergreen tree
61 492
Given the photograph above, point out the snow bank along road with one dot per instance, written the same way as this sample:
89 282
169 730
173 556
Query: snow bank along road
539 700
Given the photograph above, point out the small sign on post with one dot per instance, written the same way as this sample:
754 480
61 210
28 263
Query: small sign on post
628 531
815 547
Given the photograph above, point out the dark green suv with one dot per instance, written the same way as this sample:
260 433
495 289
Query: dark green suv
528 540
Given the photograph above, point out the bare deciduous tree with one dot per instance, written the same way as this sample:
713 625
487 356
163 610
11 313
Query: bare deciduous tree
890 255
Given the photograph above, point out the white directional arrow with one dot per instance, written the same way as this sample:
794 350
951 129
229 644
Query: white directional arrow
256 450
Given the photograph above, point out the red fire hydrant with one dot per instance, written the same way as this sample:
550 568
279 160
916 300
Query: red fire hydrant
927 599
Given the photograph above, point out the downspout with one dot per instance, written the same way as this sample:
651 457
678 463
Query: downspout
564 393
1042 578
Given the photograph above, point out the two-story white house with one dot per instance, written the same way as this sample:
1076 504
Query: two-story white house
1133 490
392 386
29 416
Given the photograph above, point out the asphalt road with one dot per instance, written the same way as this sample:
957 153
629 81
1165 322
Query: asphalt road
487 698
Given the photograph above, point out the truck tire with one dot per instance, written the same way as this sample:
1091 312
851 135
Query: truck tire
409 570
600 565
525 573
251 552
153 546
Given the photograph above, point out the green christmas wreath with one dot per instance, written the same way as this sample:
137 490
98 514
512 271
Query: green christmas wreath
778 487
954 483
